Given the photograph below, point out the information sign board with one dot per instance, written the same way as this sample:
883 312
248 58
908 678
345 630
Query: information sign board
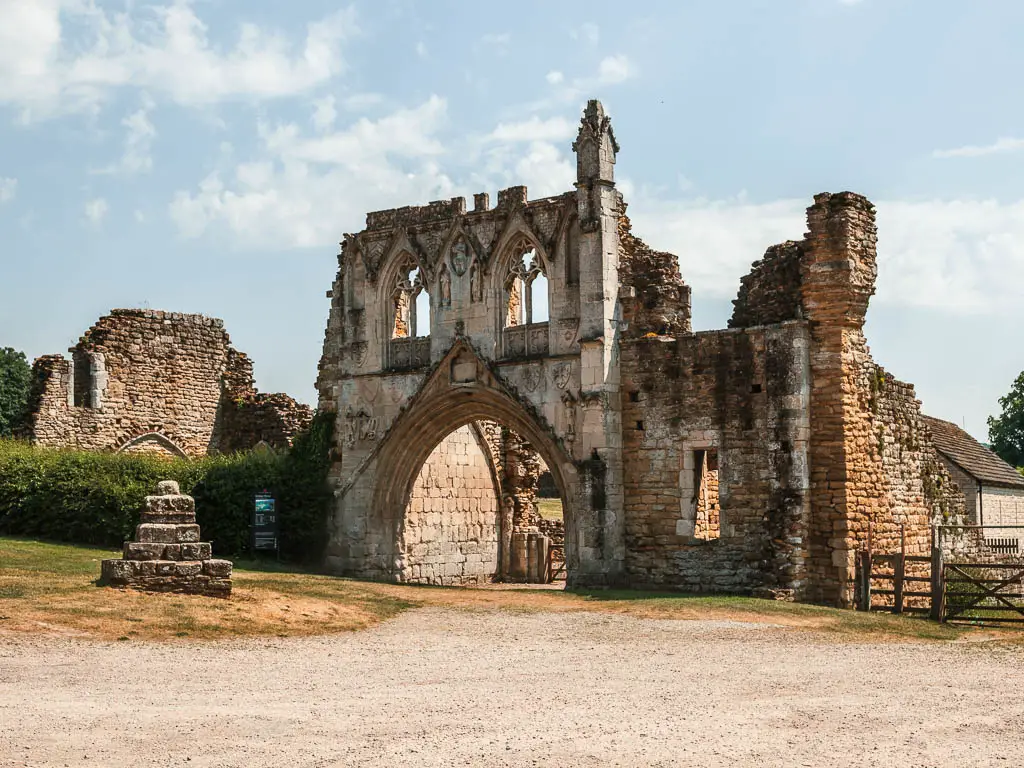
264 522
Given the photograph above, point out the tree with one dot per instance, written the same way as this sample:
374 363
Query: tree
15 376
1006 431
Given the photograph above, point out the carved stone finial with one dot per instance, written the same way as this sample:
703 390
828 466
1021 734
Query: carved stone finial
595 146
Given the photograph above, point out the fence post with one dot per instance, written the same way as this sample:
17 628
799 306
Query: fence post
937 585
864 577
897 581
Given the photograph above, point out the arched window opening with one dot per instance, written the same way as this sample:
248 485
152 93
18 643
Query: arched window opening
411 304
539 298
524 272
526 309
409 344
423 314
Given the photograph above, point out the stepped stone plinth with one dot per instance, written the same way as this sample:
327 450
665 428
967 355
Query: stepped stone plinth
167 555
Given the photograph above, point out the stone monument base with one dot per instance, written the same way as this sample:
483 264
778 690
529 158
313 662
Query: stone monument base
167 555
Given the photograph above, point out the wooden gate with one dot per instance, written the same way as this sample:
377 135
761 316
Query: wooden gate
983 592
896 582
959 589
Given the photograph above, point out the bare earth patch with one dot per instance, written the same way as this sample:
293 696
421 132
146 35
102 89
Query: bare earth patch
441 687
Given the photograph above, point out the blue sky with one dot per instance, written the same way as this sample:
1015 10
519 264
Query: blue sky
207 156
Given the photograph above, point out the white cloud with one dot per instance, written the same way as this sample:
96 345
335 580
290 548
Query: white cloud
303 190
963 257
1004 144
359 102
324 113
67 55
421 49
8 189
614 69
139 134
534 129
95 210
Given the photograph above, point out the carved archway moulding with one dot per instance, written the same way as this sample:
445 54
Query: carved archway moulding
156 437
461 390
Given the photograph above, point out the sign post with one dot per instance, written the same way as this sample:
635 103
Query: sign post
264 523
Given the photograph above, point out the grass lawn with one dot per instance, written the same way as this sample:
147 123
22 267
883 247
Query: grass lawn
51 588
550 509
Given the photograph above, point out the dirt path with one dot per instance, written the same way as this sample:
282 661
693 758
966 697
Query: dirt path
439 687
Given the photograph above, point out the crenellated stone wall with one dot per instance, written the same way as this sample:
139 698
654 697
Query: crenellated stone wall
156 382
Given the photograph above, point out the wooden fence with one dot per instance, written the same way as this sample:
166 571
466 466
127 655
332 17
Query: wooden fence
957 590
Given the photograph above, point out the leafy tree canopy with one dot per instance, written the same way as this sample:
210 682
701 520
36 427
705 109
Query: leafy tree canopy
1006 431
15 375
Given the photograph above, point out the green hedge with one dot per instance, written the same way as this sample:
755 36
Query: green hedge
95 498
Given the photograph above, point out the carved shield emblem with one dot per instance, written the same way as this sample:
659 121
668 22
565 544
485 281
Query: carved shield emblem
561 374
532 376
460 257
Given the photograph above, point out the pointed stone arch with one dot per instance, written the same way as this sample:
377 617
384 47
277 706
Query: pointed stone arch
152 442
462 391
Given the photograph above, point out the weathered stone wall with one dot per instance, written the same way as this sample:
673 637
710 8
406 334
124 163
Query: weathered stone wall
874 470
451 526
968 485
708 521
660 303
770 293
745 394
156 382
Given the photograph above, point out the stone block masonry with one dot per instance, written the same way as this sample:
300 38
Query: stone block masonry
145 381
167 555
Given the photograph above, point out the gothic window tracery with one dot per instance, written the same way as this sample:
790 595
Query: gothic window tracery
410 303
526 289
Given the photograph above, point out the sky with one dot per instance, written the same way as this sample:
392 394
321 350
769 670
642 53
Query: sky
208 155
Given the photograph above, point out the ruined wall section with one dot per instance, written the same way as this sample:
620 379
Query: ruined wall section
905 485
873 467
771 292
745 394
661 300
156 382
50 401
451 527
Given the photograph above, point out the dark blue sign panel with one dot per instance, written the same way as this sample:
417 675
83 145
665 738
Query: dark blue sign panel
264 522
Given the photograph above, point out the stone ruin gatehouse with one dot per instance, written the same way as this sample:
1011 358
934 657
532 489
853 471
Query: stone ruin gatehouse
749 459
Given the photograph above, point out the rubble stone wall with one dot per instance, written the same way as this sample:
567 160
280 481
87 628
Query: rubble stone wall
770 293
156 382
969 486
660 302
744 393
452 523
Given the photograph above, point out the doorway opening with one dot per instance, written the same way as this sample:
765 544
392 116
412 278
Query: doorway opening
474 515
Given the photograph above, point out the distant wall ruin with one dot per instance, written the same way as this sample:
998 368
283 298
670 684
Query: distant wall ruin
166 383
